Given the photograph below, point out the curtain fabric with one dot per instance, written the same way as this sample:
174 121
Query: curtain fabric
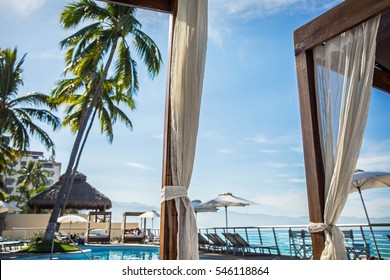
187 72
344 71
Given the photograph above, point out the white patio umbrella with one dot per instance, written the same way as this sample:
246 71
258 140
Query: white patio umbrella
226 200
149 215
7 207
199 207
71 219
364 180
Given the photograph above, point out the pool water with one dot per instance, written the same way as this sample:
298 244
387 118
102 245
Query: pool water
106 252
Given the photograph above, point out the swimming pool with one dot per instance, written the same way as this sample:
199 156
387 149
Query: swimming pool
105 252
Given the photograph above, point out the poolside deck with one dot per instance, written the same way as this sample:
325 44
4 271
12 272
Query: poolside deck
217 256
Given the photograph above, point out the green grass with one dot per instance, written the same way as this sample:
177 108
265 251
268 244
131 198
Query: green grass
45 247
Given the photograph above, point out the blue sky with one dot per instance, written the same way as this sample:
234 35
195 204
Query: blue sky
249 137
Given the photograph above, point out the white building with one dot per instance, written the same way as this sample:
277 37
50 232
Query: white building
48 164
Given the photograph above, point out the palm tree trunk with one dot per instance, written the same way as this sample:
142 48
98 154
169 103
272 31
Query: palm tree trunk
52 224
70 185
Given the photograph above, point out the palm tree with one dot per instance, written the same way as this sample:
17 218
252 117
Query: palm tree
32 174
106 109
8 156
17 114
24 194
95 46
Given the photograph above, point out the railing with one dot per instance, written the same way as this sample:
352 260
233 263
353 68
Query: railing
279 236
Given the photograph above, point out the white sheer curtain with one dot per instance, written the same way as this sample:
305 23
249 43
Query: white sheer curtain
187 71
344 70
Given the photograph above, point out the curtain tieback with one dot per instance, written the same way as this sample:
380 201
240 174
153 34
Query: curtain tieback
172 192
318 227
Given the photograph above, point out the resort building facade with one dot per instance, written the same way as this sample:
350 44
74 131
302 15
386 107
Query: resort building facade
49 164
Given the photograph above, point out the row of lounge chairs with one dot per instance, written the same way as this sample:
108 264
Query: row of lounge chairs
234 243
11 245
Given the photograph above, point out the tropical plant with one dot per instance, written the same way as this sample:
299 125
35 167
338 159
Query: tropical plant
23 195
32 174
94 47
17 113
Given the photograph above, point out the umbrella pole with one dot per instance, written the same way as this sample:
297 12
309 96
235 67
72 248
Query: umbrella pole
369 223
226 218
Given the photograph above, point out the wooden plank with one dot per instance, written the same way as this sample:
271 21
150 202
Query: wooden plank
314 169
381 80
168 219
337 20
155 5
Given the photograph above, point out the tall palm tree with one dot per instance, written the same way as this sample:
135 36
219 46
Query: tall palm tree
18 113
95 46
66 92
32 174
106 110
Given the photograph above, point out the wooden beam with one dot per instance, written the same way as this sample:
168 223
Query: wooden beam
314 169
337 20
168 218
155 5
381 80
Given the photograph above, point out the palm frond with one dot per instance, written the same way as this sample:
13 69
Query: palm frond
77 12
148 51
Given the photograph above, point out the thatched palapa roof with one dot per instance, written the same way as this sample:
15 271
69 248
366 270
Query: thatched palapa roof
82 196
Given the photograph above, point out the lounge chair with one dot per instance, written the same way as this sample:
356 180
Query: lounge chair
355 250
218 242
241 245
300 244
11 245
236 245
203 243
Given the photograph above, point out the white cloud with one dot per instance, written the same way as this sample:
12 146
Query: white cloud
222 11
296 180
297 149
225 151
374 162
293 202
209 134
269 151
260 138
138 166
159 136
275 164
375 155
261 8
22 7
254 8
50 54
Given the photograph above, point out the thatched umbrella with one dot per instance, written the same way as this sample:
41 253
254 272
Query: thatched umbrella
82 196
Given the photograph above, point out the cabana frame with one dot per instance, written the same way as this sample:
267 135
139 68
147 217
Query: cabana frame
341 18
168 221
127 238
95 217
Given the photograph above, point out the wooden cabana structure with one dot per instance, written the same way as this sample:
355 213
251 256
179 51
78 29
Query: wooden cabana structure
99 234
185 77
82 196
128 234
343 18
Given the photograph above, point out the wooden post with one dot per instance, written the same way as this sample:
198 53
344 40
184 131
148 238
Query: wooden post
168 220
315 176
328 25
